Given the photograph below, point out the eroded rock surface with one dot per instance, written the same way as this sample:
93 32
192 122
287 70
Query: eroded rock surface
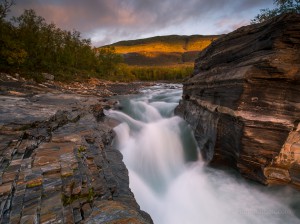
243 101
58 163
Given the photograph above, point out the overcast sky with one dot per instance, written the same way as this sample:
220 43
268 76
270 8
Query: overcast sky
108 21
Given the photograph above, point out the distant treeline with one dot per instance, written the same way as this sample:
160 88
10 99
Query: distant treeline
130 73
30 47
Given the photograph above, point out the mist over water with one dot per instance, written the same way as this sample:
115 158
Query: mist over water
169 179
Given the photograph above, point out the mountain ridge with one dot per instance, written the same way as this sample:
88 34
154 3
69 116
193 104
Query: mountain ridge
170 50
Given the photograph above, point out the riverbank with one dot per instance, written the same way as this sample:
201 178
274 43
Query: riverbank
13 84
57 162
171 181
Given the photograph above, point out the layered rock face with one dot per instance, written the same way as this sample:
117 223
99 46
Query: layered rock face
58 164
243 101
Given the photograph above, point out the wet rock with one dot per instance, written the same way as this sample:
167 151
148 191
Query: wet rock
115 212
98 111
57 160
243 101
5 189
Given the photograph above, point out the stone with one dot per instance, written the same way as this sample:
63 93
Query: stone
48 76
115 212
15 219
5 189
98 111
66 172
53 154
8 177
243 104
48 218
28 219
52 168
34 183
77 215
284 167
68 215
86 208
25 145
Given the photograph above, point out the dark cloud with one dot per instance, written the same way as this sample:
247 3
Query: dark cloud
110 20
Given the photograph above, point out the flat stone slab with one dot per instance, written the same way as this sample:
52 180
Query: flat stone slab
5 189
57 162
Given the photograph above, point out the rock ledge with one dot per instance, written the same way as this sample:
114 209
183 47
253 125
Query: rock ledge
243 101
58 163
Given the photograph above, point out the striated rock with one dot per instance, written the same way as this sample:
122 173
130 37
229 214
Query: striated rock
5 189
243 101
115 212
58 164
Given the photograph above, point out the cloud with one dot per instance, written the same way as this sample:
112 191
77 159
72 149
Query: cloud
106 21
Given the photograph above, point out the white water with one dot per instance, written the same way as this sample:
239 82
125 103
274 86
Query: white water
173 185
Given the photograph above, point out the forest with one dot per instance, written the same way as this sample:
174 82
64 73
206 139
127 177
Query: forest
30 46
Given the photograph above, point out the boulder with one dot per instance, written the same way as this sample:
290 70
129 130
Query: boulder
243 101
48 76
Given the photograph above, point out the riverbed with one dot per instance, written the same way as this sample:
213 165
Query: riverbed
172 183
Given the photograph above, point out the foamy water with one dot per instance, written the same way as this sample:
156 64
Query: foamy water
169 179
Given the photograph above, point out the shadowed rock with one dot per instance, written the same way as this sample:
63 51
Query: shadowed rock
243 101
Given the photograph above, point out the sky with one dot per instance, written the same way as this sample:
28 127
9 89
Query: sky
109 21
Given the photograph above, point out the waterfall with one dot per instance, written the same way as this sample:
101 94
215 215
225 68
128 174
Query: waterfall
170 181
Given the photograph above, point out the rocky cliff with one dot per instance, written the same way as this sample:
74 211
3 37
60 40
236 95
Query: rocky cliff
243 101
57 161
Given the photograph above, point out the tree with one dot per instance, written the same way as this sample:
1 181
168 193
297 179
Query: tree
5 8
29 30
282 6
11 50
108 60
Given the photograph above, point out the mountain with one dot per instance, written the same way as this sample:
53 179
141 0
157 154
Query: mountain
163 50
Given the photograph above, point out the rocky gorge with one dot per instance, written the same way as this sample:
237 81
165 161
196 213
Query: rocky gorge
57 161
243 101
60 163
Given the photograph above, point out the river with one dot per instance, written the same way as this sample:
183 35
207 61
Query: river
172 183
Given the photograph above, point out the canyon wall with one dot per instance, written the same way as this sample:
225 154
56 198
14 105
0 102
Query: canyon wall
57 160
243 101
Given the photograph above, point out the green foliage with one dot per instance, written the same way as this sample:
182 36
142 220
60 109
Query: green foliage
162 73
81 149
67 200
125 73
159 73
31 46
36 76
50 48
108 61
91 195
282 6
11 51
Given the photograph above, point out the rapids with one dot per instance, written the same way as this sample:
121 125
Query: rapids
172 183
